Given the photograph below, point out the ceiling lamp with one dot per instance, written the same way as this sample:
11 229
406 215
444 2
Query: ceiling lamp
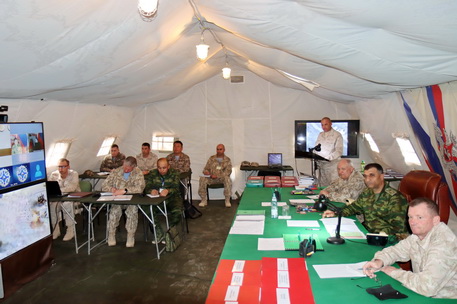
147 9
202 48
226 72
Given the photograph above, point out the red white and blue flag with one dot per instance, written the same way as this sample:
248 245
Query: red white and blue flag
432 112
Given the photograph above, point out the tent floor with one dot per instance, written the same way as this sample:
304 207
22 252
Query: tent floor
134 275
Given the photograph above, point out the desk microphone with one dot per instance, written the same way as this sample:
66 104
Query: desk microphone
337 239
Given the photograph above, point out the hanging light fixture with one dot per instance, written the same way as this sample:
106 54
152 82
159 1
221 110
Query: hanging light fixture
147 9
226 71
202 48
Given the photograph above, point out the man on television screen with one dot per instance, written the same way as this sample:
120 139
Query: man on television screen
329 145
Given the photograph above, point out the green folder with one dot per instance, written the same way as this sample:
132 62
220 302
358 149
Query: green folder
292 241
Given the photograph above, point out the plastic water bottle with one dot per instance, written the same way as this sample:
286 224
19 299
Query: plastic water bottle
362 166
274 206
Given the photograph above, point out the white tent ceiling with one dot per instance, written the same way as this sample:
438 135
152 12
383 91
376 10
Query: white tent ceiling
103 52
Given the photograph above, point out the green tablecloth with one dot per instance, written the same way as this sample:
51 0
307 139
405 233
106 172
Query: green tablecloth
342 290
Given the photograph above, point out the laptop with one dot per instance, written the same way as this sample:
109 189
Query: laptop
53 189
274 160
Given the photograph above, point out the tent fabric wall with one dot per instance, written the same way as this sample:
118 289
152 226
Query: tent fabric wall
85 125
250 119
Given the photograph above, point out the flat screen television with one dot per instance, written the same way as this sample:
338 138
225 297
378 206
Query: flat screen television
22 157
24 218
306 132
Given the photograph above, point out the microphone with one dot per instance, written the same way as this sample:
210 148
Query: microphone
337 239
317 148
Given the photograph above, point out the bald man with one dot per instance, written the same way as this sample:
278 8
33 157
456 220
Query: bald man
348 186
217 170
331 142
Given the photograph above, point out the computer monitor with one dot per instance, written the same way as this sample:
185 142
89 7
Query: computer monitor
274 159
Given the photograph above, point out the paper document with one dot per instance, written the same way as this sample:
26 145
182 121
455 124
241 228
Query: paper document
270 244
314 197
252 217
105 198
127 197
330 271
103 173
153 196
268 204
247 227
106 193
348 228
303 223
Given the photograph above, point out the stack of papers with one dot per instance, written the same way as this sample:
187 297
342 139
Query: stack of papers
348 228
253 223
107 198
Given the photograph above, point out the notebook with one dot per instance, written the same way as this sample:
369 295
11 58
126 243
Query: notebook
274 160
53 189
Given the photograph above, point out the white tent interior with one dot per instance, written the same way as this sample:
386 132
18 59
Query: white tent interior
93 69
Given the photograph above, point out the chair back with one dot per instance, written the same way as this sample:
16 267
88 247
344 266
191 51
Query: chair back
85 186
421 183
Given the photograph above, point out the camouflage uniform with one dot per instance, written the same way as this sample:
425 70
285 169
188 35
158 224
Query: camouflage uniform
147 163
386 212
69 184
134 184
331 149
434 262
341 190
222 171
110 162
169 181
182 164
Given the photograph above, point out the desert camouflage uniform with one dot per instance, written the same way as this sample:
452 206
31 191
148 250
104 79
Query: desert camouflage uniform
134 184
110 162
67 185
170 181
331 149
147 163
341 190
182 164
434 262
222 171
383 212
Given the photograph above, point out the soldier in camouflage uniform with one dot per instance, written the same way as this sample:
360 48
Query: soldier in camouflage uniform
112 161
146 160
127 179
219 168
432 249
348 186
164 181
383 208
178 160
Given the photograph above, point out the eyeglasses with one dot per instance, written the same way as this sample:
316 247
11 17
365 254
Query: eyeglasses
62 167
376 279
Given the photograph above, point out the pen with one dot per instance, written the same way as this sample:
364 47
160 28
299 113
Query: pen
313 229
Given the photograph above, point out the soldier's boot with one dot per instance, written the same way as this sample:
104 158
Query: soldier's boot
130 240
203 203
112 237
70 233
227 202
56 232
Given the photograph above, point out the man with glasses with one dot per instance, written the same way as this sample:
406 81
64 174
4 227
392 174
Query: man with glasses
112 161
68 180
127 179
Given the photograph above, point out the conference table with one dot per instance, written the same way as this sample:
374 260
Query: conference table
139 200
325 291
